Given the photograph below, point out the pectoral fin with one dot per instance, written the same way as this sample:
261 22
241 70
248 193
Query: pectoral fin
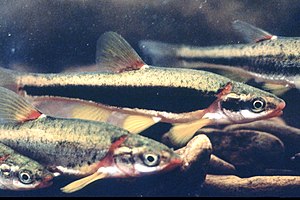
181 133
81 183
137 123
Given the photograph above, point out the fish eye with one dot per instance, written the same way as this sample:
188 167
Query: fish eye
258 105
26 176
150 159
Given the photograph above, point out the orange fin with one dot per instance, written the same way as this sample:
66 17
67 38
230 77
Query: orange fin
181 133
252 33
14 108
81 183
115 55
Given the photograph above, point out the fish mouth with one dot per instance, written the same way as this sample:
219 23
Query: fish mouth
46 181
279 110
174 163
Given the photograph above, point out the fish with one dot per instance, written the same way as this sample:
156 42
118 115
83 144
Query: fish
18 172
136 96
88 149
267 58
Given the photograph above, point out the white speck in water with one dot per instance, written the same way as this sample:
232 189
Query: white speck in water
9 34
202 4
12 50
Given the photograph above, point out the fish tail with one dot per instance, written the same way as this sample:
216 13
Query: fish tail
15 109
159 53
8 79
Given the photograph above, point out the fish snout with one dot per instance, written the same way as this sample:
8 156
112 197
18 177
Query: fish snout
278 111
174 162
46 181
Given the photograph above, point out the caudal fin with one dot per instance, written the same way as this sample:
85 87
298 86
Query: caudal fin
15 109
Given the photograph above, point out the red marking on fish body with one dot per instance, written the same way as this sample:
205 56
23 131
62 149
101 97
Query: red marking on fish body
3 158
268 37
226 90
278 111
34 114
174 163
108 159
136 65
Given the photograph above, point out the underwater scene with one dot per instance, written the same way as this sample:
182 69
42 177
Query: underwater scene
138 98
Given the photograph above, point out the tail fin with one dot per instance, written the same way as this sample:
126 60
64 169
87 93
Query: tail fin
160 53
15 109
8 79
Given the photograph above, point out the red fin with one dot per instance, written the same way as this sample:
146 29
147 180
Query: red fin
226 90
117 143
115 55
108 159
267 37
34 114
14 108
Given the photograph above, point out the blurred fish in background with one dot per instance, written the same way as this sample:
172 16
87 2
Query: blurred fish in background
268 58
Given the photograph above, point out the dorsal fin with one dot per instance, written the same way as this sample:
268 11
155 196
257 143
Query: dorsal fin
115 55
15 109
252 33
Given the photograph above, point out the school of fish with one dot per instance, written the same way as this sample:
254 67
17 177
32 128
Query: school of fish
87 124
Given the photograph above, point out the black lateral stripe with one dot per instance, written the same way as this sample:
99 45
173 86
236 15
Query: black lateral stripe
167 99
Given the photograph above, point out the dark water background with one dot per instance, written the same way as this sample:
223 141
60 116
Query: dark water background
47 36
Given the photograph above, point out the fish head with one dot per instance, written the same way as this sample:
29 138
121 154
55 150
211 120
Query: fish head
248 107
148 158
30 176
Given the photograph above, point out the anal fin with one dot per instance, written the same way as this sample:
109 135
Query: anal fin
91 113
137 123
